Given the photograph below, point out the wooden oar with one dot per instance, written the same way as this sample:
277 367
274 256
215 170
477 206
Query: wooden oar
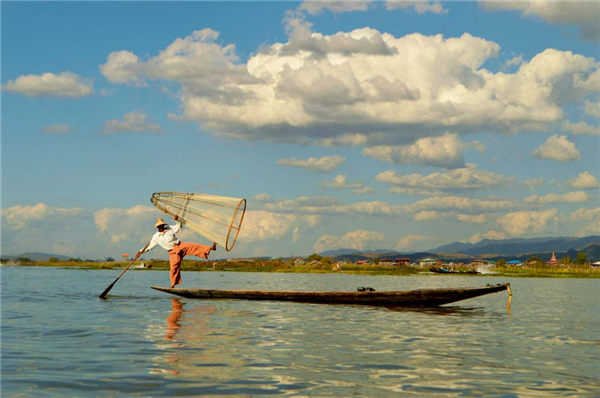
105 292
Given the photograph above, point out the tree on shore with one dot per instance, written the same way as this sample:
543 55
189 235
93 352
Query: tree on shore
535 260
581 257
314 257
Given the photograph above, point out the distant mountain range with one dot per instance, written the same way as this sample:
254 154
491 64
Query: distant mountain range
516 247
36 256
382 255
340 252
506 248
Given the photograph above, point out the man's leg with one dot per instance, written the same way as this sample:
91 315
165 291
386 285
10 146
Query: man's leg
195 249
175 267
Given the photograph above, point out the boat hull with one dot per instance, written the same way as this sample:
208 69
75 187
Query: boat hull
410 298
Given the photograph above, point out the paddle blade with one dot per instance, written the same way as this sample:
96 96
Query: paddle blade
105 292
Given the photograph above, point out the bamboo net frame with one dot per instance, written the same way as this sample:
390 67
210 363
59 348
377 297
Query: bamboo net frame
217 218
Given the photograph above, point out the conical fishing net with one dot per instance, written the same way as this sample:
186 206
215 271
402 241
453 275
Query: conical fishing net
217 218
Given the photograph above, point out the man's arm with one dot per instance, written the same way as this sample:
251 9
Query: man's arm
177 227
153 243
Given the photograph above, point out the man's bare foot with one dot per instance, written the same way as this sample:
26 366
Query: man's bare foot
214 246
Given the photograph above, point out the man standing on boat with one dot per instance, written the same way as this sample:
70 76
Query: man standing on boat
166 237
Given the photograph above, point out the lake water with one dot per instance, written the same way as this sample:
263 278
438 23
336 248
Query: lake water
59 339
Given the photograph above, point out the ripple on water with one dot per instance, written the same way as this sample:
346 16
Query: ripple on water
67 342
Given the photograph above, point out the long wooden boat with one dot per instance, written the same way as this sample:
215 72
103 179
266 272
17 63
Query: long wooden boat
409 298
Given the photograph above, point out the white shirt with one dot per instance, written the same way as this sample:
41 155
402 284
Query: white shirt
166 239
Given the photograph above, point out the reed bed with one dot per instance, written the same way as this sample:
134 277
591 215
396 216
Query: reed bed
537 271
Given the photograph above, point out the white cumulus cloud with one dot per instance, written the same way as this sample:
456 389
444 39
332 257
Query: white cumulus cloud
420 6
444 151
341 182
66 84
493 235
571 197
338 6
359 239
592 109
468 178
524 222
515 61
355 139
584 14
262 197
203 67
364 190
319 165
331 206
409 242
133 122
471 205
427 215
121 67
581 128
22 216
583 214
557 147
472 218
589 219
431 215
120 225
585 180
45 228
362 83
261 225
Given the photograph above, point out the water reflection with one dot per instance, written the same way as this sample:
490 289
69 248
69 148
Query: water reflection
183 335
200 350
173 324
452 311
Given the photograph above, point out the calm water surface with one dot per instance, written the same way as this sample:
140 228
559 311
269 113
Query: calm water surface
59 339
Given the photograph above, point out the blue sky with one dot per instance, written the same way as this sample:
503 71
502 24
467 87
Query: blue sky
398 125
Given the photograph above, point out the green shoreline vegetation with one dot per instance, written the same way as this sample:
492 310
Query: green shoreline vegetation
323 265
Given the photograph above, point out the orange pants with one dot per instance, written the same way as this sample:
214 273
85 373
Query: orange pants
178 252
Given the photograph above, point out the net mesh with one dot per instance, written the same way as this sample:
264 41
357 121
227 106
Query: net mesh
217 218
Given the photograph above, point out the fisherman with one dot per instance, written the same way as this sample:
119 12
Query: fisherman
165 236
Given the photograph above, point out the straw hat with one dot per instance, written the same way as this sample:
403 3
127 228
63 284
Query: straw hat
159 221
